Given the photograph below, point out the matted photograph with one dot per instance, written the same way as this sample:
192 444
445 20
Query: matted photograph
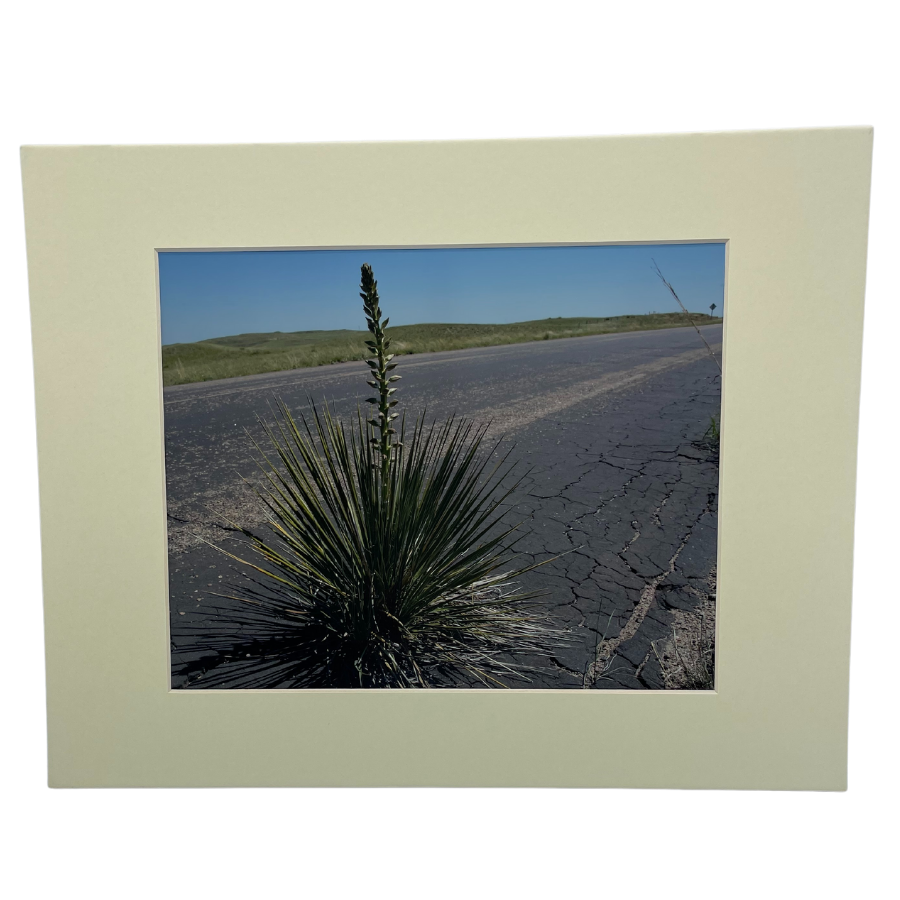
456 467
491 474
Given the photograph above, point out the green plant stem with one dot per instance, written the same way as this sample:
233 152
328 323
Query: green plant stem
381 365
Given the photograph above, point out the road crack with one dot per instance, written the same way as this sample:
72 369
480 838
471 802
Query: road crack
606 648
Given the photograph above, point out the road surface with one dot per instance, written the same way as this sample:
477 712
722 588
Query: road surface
622 481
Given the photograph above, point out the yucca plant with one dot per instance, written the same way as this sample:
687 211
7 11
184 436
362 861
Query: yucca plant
387 558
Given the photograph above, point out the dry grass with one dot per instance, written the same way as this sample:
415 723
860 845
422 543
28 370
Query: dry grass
688 658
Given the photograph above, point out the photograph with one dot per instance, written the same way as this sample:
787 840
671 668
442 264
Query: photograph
449 467
543 457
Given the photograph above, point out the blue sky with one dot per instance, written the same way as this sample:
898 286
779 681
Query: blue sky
216 294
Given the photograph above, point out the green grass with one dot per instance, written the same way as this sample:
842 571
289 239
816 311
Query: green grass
712 433
253 354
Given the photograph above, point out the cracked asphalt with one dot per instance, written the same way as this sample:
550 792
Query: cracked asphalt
623 486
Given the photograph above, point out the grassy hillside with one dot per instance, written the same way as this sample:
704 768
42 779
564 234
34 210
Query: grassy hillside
251 354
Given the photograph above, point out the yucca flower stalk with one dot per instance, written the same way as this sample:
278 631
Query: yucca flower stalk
386 562
381 365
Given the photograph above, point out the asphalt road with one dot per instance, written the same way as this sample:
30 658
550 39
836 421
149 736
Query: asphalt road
622 481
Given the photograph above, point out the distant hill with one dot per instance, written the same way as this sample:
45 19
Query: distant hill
252 354
279 340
